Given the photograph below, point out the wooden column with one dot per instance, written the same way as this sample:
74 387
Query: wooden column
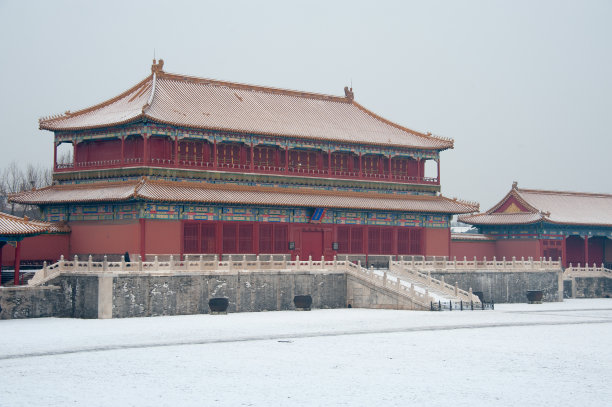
214 154
256 238
122 150
74 153
389 166
286 159
176 151
54 156
419 175
586 250
143 242
145 148
564 251
17 263
329 162
1 247
360 166
252 158
438 170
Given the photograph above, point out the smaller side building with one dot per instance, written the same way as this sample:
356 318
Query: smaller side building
573 226
44 239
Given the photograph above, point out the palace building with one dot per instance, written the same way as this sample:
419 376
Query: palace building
184 165
572 226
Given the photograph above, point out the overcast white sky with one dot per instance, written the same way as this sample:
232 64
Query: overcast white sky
524 87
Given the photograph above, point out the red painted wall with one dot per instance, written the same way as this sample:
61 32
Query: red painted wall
104 238
163 236
38 248
608 251
596 250
518 248
436 242
574 246
469 249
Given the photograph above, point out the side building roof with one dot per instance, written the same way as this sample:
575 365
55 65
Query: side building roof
13 226
526 206
227 106
180 191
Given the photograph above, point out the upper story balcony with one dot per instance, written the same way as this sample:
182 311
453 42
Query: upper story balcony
154 151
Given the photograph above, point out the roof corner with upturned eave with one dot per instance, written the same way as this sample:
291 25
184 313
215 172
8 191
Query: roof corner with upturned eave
443 143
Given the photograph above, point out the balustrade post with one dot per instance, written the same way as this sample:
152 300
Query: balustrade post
243 265
309 261
171 262
359 264
322 262
215 261
456 289
513 262
122 267
155 263
105 263
284 261
229 262
504 262
89 263
139 262
454 262
442 280
297 262
61 263
257 264
75 263
45 271
335 262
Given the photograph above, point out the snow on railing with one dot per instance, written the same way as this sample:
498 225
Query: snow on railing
444 264
578 270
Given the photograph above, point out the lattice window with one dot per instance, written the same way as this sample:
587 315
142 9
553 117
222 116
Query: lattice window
356 239
266 236
281 241
386 241
230 234
208 238
245 238
344 233
190 237
415 241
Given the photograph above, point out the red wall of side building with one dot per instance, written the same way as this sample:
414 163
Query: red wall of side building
469 249
104 238
518 248
38 248
436 242
163 237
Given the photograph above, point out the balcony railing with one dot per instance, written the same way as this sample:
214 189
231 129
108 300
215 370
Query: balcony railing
340 173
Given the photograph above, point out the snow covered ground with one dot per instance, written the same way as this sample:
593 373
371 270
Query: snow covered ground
551 354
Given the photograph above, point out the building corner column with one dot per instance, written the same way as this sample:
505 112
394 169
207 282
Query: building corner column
586 250
16 279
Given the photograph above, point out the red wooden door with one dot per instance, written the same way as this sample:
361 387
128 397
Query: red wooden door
312 245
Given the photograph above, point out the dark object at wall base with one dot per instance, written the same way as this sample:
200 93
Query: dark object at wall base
535 296
218 305
302 302
480 295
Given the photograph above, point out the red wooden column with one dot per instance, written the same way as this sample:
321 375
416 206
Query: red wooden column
564 251
74 154
214 154
360 166
389 166
329 162
252 158
586 250
145 148
54 156
176 151
122 149
17 263
286 159
1 247
419 175
143 235
438 170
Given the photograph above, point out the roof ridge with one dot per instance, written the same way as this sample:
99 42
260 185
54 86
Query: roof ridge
259 88
45 119
449 141
549 192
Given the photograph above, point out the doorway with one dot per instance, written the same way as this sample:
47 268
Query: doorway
312 244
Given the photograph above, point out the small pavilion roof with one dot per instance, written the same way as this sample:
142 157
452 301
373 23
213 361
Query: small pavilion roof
531 206
181 191
227 106
14 226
